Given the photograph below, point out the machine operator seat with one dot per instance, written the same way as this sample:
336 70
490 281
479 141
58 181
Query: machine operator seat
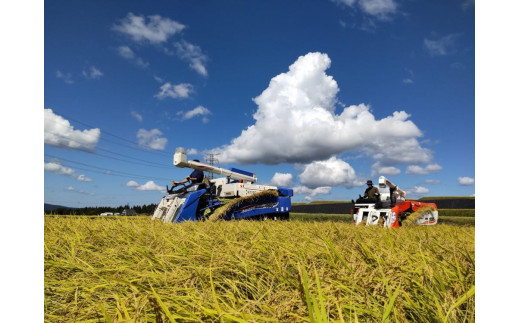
386 199
205 184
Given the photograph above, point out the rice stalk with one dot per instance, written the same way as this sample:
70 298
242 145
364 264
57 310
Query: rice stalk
412 218
231 206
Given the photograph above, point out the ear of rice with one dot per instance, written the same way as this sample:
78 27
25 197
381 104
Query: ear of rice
412 218
263 197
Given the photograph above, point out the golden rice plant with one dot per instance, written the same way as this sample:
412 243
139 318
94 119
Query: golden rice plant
139 270
412 218
243 201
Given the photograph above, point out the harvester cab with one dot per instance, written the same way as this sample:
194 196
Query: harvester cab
234 196
392 208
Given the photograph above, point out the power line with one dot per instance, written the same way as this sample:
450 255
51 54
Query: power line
110 174
111 152
138 149
128 161
106 169
142 160
108 133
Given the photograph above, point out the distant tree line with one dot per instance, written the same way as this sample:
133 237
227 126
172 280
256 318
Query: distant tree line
147 209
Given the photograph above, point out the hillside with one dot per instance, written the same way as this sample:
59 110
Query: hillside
53 207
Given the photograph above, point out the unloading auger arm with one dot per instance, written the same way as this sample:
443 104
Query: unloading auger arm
383 182
180 159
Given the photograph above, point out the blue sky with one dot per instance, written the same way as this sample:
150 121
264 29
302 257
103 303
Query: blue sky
315 95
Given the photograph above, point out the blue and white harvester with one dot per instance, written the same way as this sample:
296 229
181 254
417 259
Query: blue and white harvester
234 196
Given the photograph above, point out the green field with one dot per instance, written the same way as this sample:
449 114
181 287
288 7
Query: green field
133 269
457 212
320 202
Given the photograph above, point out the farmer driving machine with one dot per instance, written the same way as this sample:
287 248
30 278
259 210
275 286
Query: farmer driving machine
391 209
234 196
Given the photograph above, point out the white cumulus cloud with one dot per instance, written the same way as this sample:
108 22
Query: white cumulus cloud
377 169
381 9
92 73
177 91
389 170
432 181
297 112
150 186
72 189
331 172
417 190
155 29
128 53
198 111
446 45
151 139
83 178
466 181
137 116
282 179
132 184
158 79
57 168
378 8
311 192
193 55
60 133
428 169
66 77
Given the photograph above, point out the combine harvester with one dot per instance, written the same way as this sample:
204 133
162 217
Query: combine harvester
234 196
393 209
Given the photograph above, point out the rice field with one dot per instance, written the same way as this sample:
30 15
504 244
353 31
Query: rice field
133 269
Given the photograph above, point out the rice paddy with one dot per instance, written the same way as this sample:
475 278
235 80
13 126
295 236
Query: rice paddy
133 269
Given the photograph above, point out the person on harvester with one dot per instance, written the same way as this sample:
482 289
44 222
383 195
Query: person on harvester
196 177
371 194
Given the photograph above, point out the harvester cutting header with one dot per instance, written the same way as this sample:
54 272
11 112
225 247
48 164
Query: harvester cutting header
234 196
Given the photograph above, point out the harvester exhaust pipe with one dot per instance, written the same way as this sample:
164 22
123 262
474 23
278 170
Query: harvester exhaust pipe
180 159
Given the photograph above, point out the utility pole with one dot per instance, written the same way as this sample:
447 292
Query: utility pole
210 159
